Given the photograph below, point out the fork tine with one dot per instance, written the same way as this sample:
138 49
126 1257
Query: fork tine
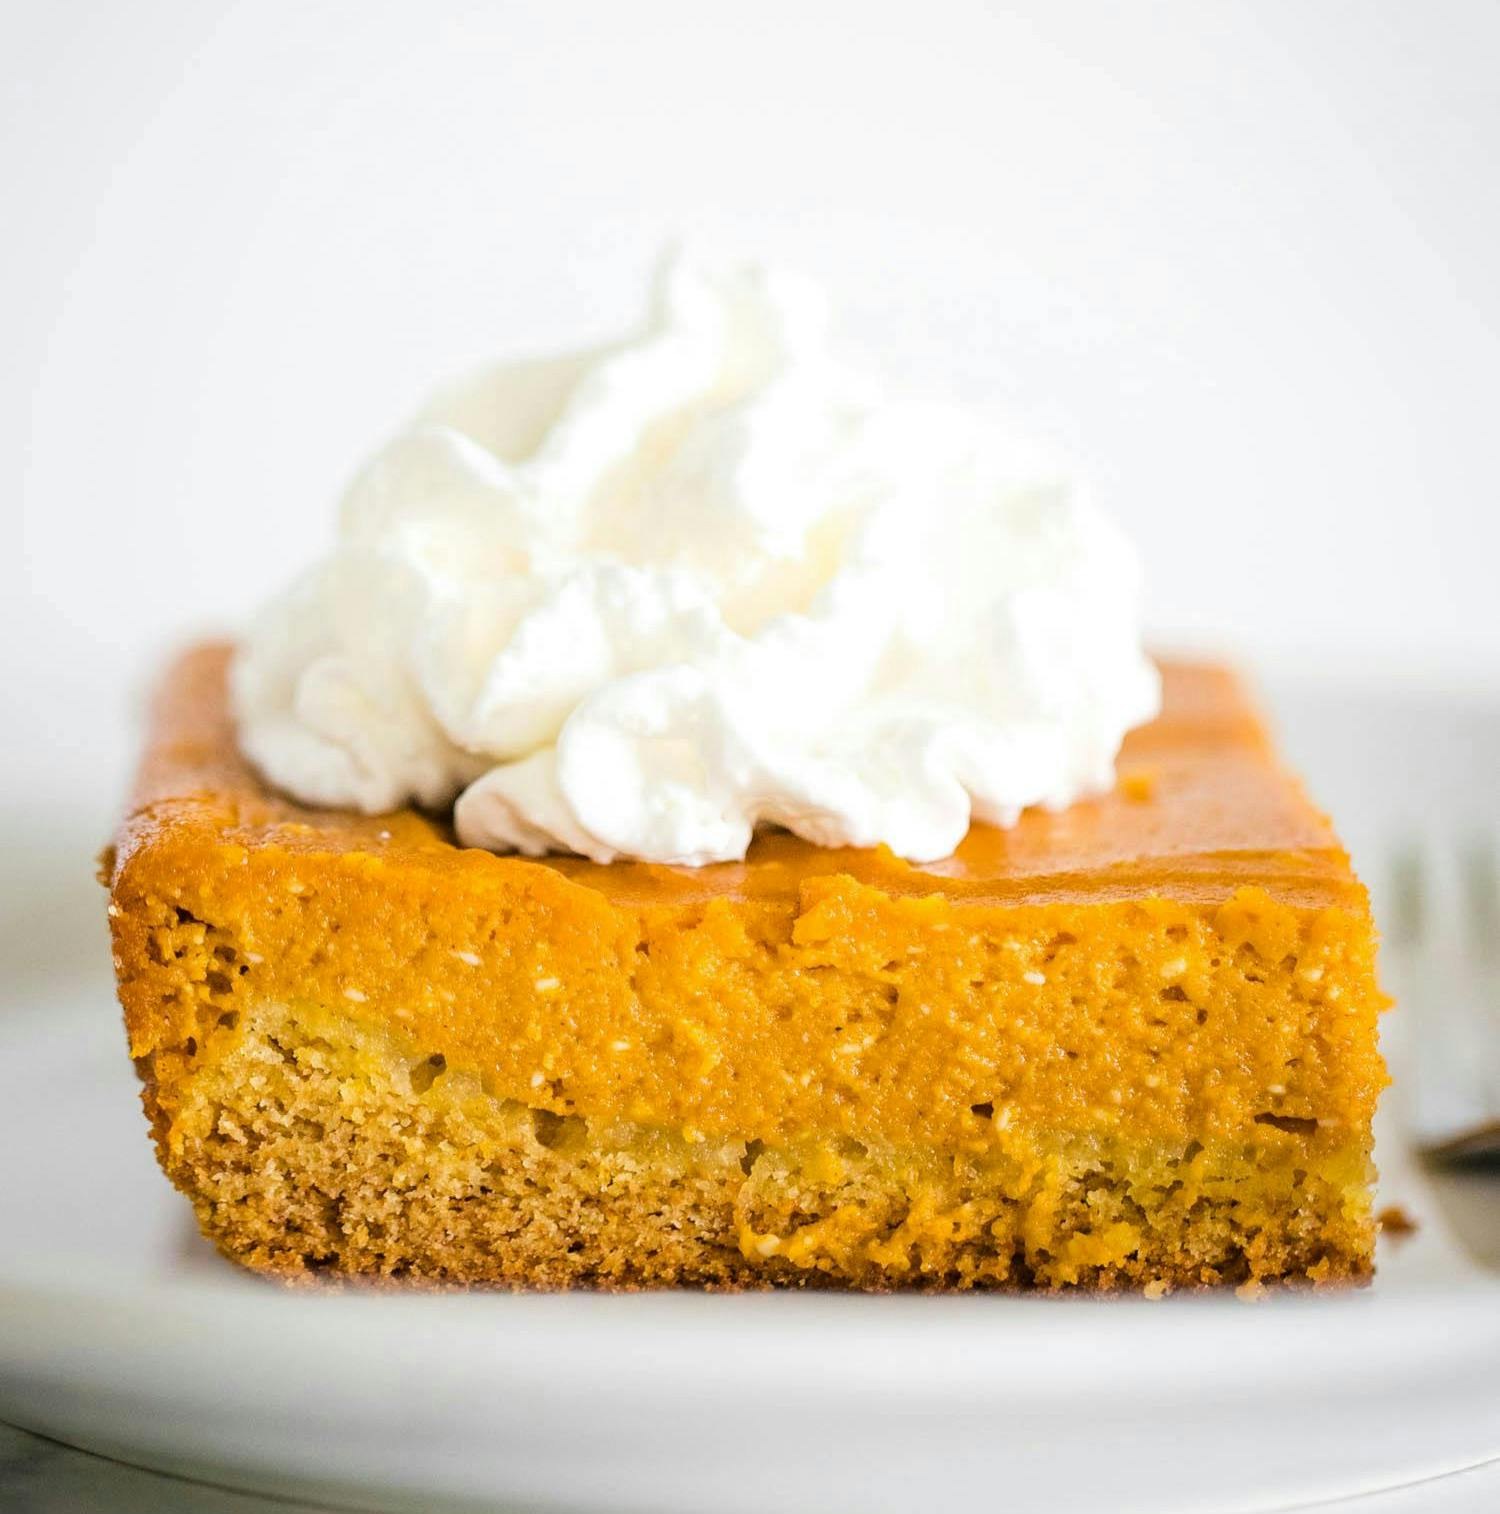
1483 865
1446 929
1482 888
1405 927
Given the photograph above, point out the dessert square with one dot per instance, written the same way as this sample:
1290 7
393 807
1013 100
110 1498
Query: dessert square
1130 1044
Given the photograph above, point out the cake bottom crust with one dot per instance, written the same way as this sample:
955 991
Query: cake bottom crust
312 1148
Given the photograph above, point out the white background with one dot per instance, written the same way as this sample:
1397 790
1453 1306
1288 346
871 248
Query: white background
1244 258
1241 258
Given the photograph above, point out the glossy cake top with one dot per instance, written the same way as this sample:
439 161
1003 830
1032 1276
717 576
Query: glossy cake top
1202 808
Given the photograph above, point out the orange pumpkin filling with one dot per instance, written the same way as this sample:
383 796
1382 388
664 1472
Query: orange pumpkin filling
1130 1044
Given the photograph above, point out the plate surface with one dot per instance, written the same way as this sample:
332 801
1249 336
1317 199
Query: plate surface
122 1332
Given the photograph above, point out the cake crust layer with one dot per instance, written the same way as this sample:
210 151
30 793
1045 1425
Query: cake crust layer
314 1150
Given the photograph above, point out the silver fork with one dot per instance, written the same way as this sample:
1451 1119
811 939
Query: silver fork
1442 953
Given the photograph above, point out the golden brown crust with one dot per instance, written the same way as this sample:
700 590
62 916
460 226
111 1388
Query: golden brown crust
1186 962
313 1150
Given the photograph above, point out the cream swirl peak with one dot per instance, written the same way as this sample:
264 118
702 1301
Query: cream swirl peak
633 603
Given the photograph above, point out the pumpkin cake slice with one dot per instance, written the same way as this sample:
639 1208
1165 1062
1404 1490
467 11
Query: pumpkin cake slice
1128 1045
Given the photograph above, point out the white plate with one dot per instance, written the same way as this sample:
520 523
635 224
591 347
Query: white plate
120 1331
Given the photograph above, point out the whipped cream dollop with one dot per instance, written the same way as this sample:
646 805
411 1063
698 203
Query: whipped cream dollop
632 603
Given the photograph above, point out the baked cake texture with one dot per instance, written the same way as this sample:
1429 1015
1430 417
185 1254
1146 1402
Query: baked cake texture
1128 1045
